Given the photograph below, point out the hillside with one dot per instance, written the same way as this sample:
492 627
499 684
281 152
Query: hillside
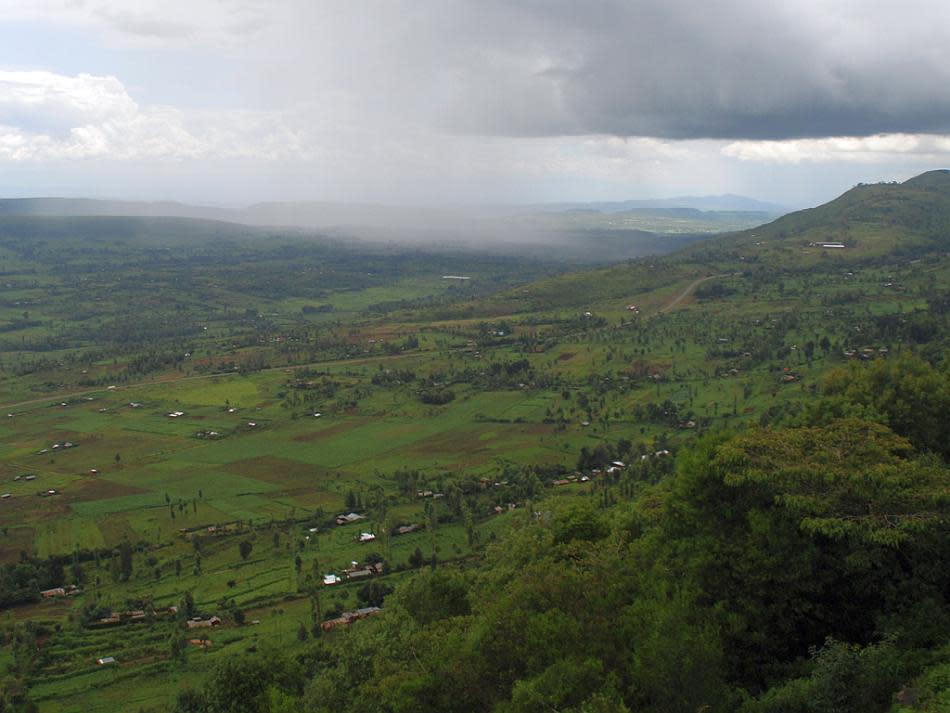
874 222
146 231
871 220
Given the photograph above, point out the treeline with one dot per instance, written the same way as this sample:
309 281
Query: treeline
21 582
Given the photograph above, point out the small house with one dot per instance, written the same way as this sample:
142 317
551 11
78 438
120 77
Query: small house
348 518
348 618
106 661
199 623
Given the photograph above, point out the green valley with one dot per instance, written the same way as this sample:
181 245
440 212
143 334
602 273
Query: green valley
257 469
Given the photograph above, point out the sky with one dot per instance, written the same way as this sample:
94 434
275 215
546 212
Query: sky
469 101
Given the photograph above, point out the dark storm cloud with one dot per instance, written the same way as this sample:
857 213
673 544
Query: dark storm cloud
731 69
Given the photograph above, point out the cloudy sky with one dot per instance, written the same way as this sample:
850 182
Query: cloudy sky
446 101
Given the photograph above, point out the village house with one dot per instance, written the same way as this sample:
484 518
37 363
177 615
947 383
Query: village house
360 574
348 618
358 571
199 623
347 519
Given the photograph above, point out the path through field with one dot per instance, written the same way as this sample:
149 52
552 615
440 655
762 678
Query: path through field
672 304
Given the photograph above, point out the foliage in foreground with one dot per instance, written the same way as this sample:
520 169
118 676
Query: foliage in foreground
798 569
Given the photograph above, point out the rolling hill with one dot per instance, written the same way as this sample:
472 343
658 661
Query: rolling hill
874 222
870 219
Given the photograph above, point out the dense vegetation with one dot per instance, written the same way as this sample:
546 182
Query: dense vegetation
792 569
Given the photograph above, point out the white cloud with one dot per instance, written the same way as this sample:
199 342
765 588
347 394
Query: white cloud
49 117
877 148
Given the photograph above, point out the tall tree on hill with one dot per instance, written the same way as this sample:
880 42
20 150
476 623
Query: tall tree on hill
125 560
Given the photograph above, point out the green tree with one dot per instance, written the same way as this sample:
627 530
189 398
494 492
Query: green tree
904 392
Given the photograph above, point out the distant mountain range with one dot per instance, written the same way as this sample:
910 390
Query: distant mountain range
869 220
581 232
328 214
